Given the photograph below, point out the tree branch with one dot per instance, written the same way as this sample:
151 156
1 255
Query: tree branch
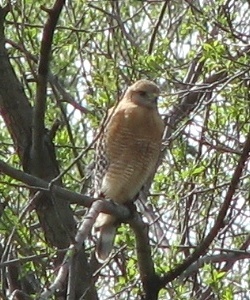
146 265
218 222
36 183
236 255
81 235
41 93
17 115
156 27
21 260
190 101
230 258
52 79
194 95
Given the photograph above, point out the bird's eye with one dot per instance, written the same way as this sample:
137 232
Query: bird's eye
142 93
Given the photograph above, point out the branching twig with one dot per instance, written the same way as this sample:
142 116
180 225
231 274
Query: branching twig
230 261
218 222
22 260
230 258
52 79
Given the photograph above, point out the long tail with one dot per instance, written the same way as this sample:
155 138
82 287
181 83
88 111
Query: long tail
105 243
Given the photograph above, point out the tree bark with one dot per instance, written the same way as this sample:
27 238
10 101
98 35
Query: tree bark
55 215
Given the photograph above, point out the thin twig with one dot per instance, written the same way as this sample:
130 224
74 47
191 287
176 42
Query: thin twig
152 40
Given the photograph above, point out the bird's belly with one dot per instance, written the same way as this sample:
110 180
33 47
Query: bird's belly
126 176
121 185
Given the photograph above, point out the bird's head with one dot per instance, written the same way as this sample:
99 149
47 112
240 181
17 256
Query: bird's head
143 92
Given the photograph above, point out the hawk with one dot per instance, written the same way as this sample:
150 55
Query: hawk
126 155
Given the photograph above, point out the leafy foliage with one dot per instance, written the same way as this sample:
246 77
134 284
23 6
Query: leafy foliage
99 48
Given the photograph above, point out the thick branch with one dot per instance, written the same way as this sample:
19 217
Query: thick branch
41 93
63 194
16 113
55 215
81 235
146 265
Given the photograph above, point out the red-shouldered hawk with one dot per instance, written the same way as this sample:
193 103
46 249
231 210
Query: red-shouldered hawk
127 153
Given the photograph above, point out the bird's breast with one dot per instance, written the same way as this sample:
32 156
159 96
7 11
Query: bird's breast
132 145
